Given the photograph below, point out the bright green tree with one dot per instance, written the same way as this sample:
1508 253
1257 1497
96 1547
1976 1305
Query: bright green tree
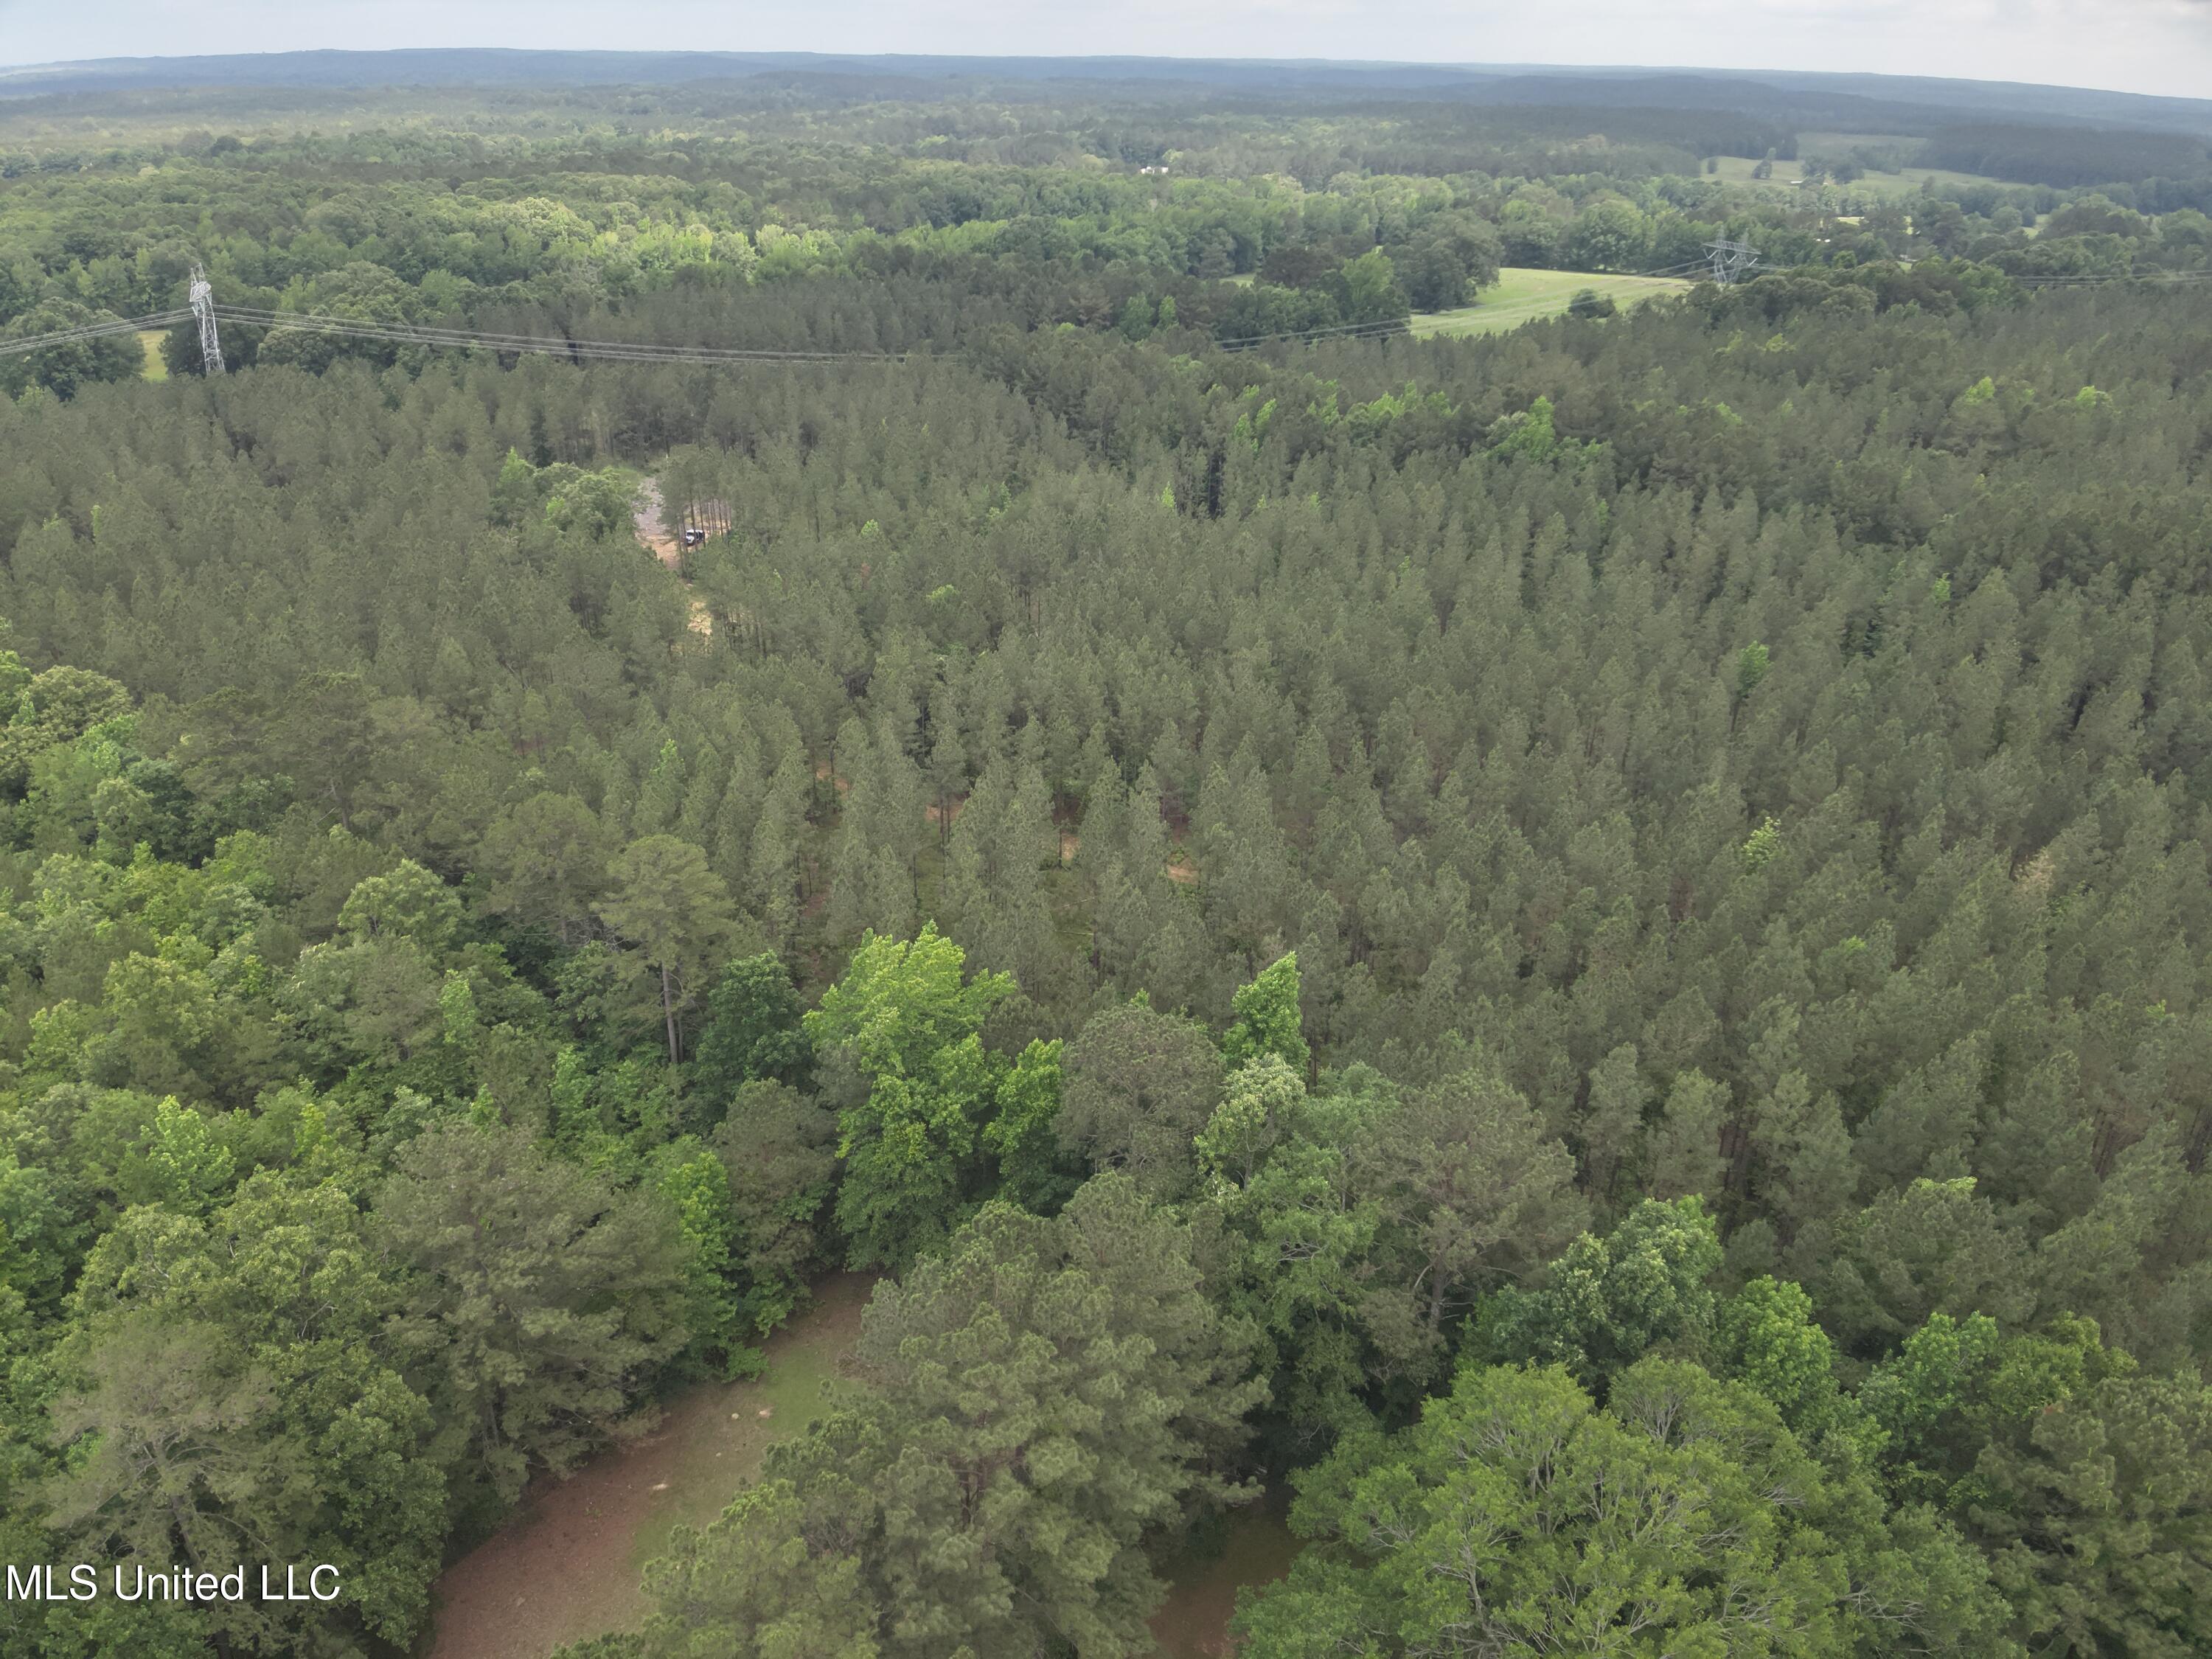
1034 1169
1608 1302
1766 1339
1610 235
1683 1518
1278 1171
904 1021
1368 291
753 1031
50 709
697 1187
1267 1020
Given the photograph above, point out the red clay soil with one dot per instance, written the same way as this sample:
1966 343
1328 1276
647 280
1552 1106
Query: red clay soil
565 1568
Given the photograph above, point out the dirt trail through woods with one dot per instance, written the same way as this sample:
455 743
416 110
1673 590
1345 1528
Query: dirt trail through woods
565 1568
1257 1549
653 536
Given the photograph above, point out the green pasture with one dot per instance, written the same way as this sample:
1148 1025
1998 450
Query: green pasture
1788 175
1522 296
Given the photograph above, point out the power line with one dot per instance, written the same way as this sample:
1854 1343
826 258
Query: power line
205 312
555 345
1333 331
2156 277
90 331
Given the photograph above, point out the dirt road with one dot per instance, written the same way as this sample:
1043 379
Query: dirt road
566 1567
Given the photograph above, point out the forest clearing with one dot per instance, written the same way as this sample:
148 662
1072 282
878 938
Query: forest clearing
1905 181
654 535
1522 296
566 1567
1254 1549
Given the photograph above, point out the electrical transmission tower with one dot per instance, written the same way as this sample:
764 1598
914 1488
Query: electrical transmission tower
1731 260
203 298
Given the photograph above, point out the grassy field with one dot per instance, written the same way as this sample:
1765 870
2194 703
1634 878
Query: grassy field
149 341
1522 296
1908 182
1737 169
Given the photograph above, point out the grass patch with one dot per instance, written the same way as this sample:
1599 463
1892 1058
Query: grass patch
150 342
1522 296
1737 170
1908 182
715 1449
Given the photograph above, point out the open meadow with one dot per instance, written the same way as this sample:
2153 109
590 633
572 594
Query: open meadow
1788 175
1522 295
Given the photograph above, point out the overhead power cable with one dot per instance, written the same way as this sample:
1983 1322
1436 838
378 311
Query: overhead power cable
90 331
2158 277
549 344
1326 331
645 351
642 351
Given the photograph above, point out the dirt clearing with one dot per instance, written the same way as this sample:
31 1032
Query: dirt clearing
653 536
1258 1549
566 1567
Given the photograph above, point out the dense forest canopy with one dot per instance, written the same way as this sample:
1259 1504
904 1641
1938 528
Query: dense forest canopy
1591 946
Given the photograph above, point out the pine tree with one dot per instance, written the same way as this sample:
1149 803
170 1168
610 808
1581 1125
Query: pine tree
665 901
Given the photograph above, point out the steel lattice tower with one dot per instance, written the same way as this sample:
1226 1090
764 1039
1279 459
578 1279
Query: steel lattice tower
203 298
1731 260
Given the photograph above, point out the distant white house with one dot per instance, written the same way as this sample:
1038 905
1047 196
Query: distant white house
1161 171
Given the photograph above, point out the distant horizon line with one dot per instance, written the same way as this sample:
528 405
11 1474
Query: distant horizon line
167 72
1460 65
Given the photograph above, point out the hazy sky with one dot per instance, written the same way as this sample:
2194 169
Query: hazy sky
2137 46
